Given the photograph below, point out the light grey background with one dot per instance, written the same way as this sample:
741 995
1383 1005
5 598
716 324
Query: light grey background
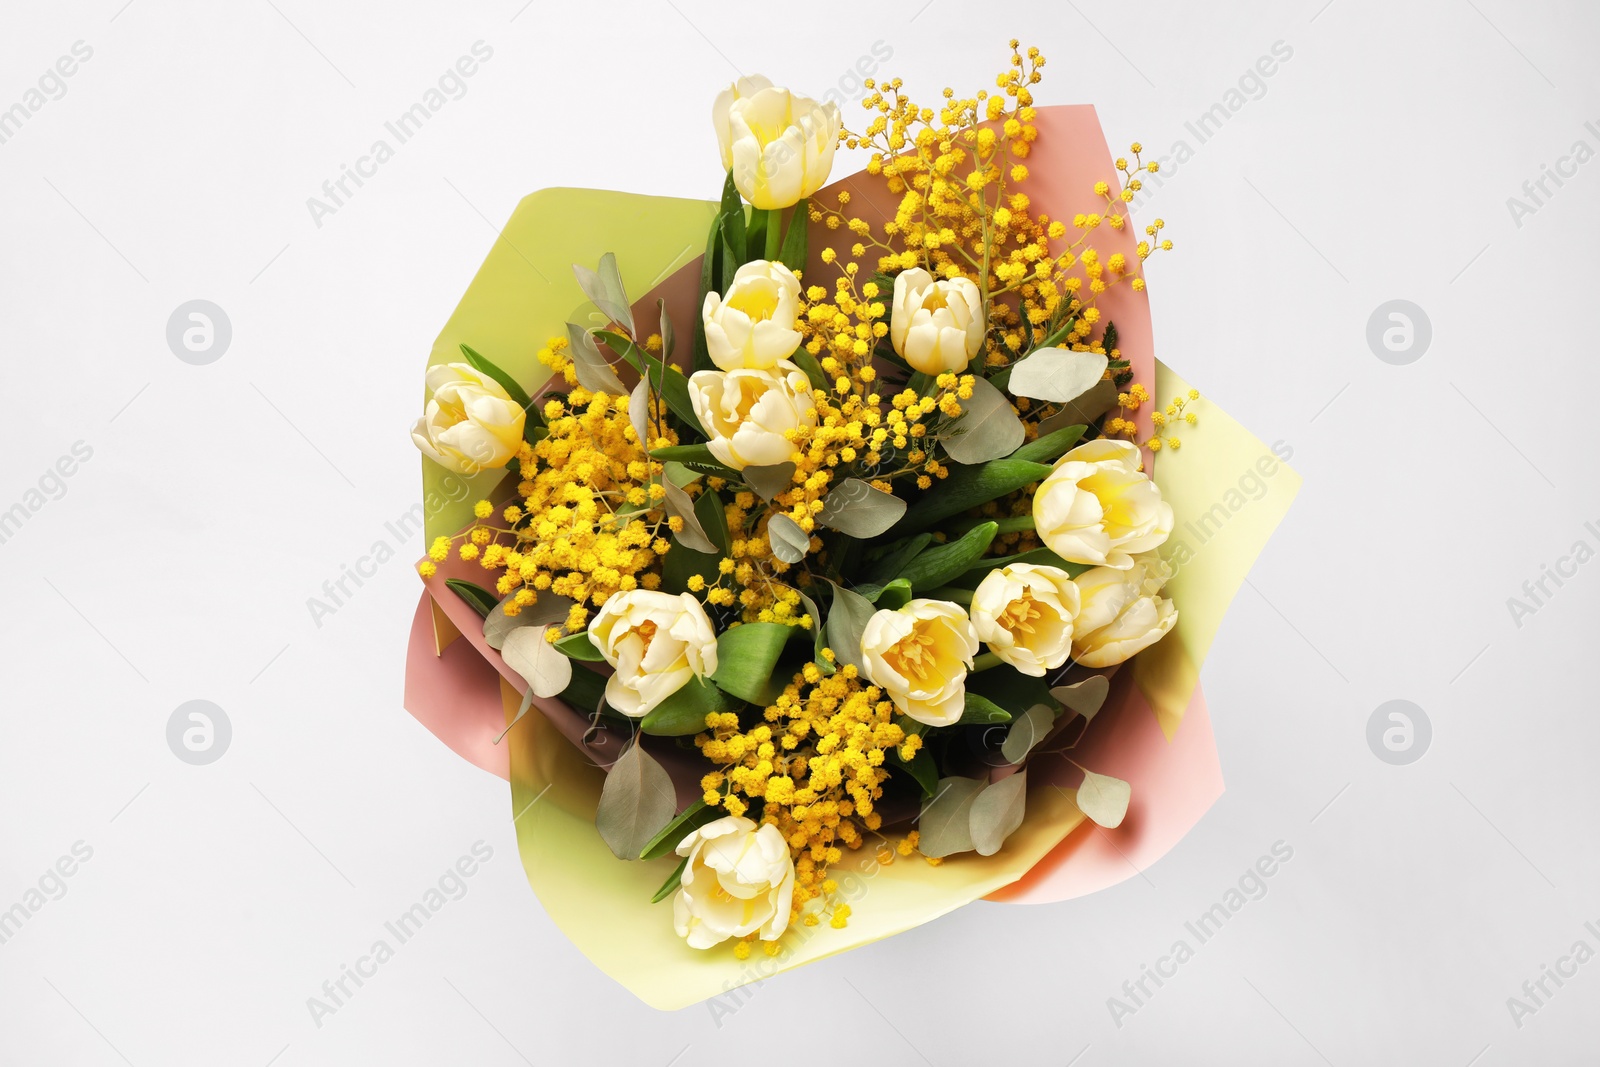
1375 164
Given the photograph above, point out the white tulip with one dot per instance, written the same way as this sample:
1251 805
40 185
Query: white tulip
936 326
471 423
1098 507
779 145
1024 612
657 642
1121 615
739 881
920 655
753 326
747 413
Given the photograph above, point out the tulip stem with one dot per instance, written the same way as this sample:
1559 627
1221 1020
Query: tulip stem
775 233
985 661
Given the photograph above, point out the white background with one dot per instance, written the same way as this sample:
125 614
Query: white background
1375 164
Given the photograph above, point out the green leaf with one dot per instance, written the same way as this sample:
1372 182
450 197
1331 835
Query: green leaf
793 254
1051 446
894 596
921 767
1027 732
686 822
668 381
585 692
481 599
1011 689
945 825
684 713
694 456
733 228
789 542
988 427
578 646
636 802
847 619
940 564
856 508
808 363
683 561
967 487
980 711
747 660
508 383
755 237
674 880
1041 556
889 565
997 812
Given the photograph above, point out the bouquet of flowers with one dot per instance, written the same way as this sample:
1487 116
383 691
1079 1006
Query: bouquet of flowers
834 583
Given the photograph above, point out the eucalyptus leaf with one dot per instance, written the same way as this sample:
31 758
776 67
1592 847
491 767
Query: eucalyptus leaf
1085 410
847 620
604 289
997 812
531 655
853 507
789 542
945 825
639 412
549 608
679 505
1104 799
768 480
1027 732
522 709
988 427
594 373
1057 375
817 640
669 341
1085 697
636 802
